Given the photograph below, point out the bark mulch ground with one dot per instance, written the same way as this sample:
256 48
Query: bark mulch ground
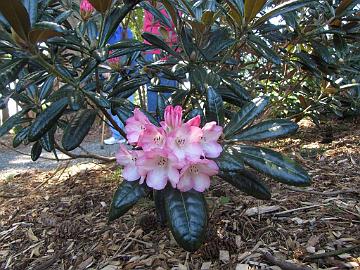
58 219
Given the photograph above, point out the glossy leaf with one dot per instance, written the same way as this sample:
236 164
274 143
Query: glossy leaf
126 84
282 9
47 119
263 49
126 196
248 183
11 122
187 217
215 107
230 160
32 9
247 114
20 136
158 42
17 16
274 164
48 141
252 8
78 128
36 151
46 88
114 19
266 130
101 5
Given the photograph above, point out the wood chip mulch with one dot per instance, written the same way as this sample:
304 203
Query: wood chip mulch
60 221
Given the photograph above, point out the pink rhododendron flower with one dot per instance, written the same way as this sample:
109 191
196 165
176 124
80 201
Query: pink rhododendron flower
195 121
196 175
159 167
86 9
151 138
174 152
135 126
128 159
211 134
184 142
172 117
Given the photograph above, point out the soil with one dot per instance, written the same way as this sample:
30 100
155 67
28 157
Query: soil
57 219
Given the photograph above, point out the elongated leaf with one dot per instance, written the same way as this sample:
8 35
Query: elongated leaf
125 85
113 21
98 99
161 105
230 160
20 136
187 217
32 9
263 49
46 88
101 5
248 183
78 128
267 129
215 107
126 196
17 16
158 42
47 119
281 9
246 115
48 141
252 8
274 164
11 122
36 151
345 5
158 16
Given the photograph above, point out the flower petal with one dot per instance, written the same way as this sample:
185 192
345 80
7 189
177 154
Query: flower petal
201 182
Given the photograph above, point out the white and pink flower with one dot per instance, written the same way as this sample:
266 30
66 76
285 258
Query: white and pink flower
175 153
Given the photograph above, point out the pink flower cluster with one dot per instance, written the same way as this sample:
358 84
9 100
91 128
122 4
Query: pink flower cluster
86 9
176 152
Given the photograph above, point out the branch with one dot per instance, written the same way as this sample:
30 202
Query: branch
88 155
283 264
332 253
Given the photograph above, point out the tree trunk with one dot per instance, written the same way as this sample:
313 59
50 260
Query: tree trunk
4 115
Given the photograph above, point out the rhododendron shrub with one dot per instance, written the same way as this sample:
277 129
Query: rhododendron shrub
57 64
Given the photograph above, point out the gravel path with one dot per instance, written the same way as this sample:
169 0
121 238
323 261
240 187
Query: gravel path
12 163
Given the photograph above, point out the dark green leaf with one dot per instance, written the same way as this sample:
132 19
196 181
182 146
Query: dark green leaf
78 128
126 196
46 88
101 5
281 9
32 9
161 105
158 42
248 183
125 85
11 122
113 21
246 115
215 107
20 136
98 99
48 141
47 119
17 16
274 164
36 151
187 217
266 130
230 160
263 49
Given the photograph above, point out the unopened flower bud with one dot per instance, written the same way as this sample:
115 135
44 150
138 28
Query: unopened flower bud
86 10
